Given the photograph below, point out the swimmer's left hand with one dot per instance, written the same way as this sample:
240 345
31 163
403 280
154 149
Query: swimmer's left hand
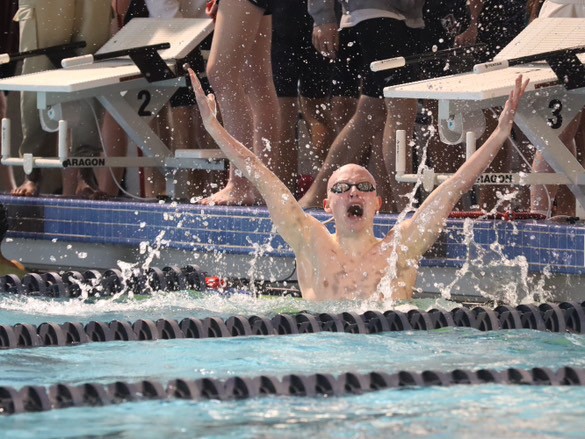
507 116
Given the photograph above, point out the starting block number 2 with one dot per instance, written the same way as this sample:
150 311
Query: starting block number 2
144 96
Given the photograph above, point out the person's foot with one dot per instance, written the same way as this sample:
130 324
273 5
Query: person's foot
27 189
87 192
242 194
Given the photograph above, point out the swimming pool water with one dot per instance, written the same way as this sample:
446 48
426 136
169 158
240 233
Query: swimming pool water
457 411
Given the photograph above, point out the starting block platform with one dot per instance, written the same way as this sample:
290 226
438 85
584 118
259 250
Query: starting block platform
133 90
551 101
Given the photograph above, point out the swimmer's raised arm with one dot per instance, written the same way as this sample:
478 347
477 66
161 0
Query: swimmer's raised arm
287 215
420 232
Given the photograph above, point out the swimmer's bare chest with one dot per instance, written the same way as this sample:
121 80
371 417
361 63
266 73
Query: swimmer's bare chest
336 275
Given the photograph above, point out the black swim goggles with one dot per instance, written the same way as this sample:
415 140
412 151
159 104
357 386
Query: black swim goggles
363 186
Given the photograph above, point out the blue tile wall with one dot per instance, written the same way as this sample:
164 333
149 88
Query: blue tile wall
235 230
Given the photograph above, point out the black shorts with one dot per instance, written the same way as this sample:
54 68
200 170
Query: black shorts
264 4
346 77
444 20
497 29
383 38
298 69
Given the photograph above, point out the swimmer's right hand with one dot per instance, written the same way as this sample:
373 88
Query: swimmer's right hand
207 103
326 40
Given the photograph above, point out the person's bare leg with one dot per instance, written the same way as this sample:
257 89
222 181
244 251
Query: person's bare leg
259 84
378 170
154 180
206 182
342 109
317 113
237 27
288 147
401 115
116 145
541 196
188 133
349 146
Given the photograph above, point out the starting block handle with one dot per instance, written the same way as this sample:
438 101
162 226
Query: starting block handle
62 140
470 144
6 58
77 61
543 56
401 61
490 66
90 59
6 135
400 152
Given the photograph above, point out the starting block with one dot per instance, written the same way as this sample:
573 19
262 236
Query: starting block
132 76
550 52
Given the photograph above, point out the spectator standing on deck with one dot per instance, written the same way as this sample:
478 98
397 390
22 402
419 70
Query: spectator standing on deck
352 263
302 78
240 72
179 124
543 199
114 137
383 29
320 91
48 23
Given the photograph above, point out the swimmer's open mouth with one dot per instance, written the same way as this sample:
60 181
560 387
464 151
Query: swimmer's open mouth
355 210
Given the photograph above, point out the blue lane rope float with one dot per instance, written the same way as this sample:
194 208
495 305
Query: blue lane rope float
552 317
59 396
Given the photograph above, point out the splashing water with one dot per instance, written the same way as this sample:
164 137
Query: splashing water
514 283
182 304
489 267
385 285
259 251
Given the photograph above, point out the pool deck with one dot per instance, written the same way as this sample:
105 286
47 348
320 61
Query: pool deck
485 255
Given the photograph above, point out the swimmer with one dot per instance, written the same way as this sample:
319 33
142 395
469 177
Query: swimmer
351 263
6 265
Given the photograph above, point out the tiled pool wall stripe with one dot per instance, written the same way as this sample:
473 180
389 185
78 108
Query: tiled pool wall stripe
34 398
235 230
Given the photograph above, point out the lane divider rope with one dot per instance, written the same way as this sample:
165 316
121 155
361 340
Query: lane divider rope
60 396
561 317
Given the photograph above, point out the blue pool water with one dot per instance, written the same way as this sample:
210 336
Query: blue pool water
457 411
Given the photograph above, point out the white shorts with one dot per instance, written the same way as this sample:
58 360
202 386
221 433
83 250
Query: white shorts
563 8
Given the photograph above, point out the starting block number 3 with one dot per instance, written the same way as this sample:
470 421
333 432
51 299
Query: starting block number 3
556 121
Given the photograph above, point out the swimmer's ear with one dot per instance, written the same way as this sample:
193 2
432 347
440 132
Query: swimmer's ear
380 202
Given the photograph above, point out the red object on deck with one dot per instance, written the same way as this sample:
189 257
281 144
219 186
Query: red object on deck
215 282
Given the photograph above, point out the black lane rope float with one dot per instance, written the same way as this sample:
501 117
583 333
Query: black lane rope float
96 284
561 317
59 396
